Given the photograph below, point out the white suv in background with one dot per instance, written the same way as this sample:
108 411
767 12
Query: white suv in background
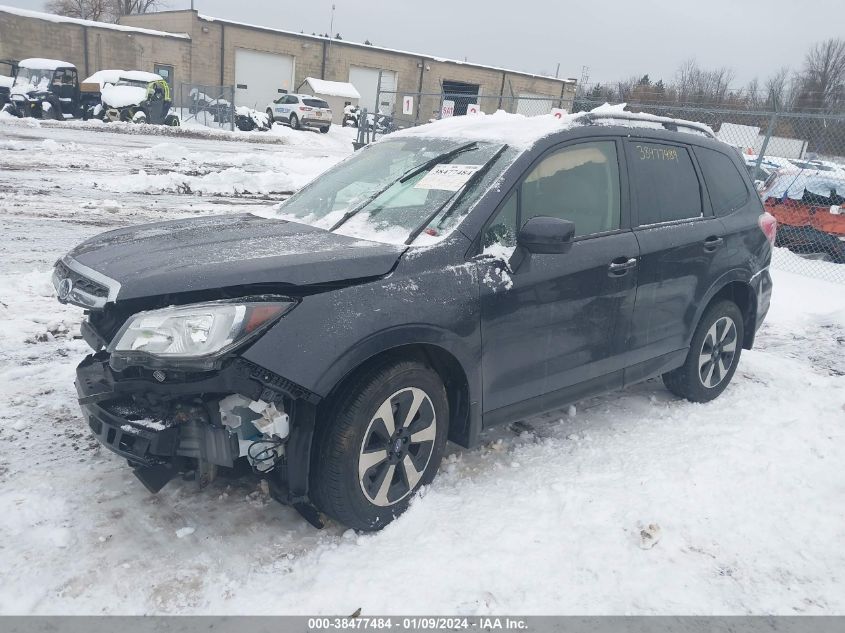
300 111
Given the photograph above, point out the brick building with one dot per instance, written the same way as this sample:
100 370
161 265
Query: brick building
262 62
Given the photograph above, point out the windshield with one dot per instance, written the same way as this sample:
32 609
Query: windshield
132 82
394 214
30 78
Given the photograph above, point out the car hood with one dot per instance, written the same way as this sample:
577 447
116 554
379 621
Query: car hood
225 251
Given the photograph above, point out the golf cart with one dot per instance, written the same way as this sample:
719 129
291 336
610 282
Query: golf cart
139 97
44 88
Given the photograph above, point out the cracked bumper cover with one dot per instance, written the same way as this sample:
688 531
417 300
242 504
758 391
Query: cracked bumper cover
98 387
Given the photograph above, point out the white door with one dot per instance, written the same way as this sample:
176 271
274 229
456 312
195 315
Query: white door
259 76
366 83
533 104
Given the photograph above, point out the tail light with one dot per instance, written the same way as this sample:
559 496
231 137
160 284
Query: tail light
305 109
769 226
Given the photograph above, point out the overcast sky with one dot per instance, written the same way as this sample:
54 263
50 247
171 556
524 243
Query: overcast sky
614 38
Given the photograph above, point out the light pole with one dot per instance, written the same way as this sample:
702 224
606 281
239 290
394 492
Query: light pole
331 24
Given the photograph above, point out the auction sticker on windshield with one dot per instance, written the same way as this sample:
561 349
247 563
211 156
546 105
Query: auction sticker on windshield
447 177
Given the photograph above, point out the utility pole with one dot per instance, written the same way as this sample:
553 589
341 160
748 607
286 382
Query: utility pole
557 71
331 24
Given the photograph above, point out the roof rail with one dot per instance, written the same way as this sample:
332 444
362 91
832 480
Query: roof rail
666 122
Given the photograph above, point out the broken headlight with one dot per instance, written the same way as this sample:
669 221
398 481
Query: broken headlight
196 331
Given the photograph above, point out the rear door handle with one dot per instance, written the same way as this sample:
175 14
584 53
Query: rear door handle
621 265
712 243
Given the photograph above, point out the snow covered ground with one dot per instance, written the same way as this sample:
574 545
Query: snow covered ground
746 494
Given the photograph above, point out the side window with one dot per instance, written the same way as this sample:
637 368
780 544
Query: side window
579 183
724 183
502 230
665 182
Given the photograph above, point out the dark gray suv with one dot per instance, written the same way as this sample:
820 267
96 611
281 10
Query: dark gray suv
437 283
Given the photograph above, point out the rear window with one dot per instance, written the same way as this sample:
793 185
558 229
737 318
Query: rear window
315 103
665 183
724 183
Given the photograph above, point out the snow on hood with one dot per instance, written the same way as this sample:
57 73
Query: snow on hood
41 63
522 132
6 82
333 88
122 96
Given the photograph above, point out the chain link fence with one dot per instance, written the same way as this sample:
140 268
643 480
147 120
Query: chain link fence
211 106
795 159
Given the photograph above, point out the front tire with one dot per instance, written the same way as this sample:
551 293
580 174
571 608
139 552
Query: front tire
713 355
270 120
381 441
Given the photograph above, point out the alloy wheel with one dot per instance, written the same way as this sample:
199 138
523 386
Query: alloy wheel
397 446
717 352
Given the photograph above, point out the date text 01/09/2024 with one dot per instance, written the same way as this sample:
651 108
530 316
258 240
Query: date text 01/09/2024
427 623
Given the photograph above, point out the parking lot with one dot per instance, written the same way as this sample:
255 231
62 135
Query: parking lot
745 492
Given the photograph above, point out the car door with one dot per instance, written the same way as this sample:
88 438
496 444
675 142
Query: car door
553 327
679 240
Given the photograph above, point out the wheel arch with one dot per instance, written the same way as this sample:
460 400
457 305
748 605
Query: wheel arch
735 287
448 361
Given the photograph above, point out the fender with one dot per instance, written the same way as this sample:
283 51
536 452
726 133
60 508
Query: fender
414 334
735 274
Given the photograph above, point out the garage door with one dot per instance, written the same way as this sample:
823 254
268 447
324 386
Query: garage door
533 104
259 77
365 81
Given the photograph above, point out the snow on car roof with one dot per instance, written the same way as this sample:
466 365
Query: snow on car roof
41 63
105 77
333 88
521 131
140 75
794 182
52 17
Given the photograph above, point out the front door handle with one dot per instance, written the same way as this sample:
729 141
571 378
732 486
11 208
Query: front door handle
712 243
621 265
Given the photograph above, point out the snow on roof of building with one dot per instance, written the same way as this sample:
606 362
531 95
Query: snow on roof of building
52 17
371 47
41 63
333 88
521 131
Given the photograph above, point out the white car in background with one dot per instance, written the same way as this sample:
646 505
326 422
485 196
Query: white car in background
300 111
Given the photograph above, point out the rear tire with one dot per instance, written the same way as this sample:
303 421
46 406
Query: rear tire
713 355
382 439
324 130
294 122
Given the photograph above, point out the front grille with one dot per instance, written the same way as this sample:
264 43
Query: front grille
82 283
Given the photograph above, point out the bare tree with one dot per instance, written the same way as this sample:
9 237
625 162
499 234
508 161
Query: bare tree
778 90
134 7
99 10
823 76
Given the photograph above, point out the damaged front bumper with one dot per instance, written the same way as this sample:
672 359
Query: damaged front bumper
170 422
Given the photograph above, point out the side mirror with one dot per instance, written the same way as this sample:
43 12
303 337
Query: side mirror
545 235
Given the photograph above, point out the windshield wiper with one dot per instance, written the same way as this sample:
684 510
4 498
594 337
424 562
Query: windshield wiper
413 171
450 203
